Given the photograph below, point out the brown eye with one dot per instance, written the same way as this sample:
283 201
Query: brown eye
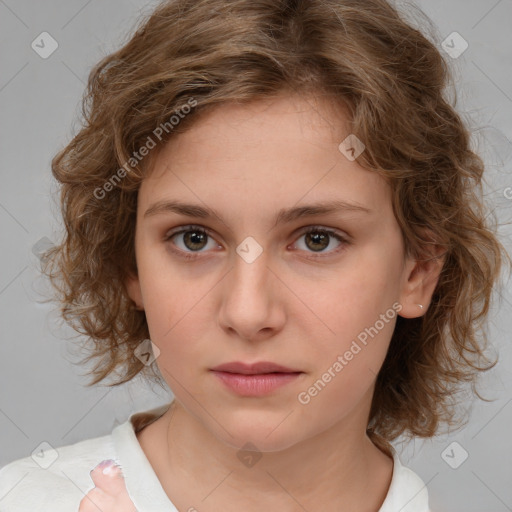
195 240
317 240
190 240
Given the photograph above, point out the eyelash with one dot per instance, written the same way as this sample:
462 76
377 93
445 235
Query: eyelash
311 229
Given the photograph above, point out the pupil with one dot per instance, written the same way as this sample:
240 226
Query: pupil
195 238
318 238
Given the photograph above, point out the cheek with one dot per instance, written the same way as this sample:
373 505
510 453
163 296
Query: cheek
175 321
345 371
169 298
351 301
358 318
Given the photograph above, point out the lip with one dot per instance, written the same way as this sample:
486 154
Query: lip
253 368
255 379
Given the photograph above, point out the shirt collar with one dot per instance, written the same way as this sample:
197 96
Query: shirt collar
141 481
406 493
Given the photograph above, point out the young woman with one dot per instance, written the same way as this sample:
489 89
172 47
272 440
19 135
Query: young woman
272 209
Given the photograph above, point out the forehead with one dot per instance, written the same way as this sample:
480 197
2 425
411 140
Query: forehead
319 118
273 152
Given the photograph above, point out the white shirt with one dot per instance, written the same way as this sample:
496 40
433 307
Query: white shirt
25 486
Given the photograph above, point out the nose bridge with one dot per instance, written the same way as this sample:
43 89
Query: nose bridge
251 272
248 305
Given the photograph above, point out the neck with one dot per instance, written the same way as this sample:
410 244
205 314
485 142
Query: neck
339 469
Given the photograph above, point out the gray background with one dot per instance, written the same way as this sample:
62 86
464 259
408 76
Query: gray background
43 396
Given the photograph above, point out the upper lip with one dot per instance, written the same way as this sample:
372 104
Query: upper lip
254 368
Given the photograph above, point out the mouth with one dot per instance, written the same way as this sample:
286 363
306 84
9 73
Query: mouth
260 368
255 379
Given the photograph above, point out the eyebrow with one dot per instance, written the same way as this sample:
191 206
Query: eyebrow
285 215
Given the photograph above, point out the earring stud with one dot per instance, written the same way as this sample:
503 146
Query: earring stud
420 305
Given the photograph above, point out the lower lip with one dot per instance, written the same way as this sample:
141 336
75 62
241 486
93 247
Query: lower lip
255 385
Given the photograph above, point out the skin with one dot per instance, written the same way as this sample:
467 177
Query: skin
109 493
292 306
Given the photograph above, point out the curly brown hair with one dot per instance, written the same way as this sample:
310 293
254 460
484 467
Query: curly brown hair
188 56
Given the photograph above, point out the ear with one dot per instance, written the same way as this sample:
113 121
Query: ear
132 285
420 277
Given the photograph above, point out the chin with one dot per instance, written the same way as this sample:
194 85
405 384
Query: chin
266 434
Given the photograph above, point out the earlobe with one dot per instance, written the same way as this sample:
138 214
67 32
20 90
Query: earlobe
420 280
132 285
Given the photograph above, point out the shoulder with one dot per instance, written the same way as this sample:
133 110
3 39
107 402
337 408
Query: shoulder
54 479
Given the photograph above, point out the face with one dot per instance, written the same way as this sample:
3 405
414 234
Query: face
237 286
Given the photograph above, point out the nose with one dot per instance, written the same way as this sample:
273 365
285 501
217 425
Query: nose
252 300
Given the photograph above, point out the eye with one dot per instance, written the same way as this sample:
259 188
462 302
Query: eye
193 239
190 240
318 239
